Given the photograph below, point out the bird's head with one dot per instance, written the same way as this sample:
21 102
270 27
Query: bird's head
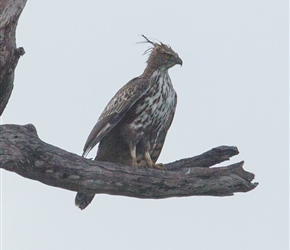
161 56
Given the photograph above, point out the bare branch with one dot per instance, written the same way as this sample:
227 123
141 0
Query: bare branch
9 55
24 153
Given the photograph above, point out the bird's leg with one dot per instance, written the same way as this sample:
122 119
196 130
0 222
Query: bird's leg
149 161
133 155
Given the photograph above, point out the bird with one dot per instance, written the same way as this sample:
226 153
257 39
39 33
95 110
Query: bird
133 126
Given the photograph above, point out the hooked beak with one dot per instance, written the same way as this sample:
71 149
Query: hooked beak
179 61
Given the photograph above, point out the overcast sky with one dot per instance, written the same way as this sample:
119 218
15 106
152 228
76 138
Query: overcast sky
232 90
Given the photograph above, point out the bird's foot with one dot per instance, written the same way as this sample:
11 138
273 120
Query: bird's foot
150 163
134 162
154 165
157 166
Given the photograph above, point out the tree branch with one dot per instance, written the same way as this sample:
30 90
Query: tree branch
9 55
24 153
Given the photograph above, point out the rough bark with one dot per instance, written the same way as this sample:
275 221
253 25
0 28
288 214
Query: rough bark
24 153
10 11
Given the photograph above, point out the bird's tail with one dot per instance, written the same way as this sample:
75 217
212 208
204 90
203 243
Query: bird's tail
82 200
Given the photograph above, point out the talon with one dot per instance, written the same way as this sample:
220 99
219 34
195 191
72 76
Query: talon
134 162
158 166
150 163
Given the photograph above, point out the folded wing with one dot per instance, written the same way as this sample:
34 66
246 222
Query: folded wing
115 110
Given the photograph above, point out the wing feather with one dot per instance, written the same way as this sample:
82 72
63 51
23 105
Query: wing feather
115 110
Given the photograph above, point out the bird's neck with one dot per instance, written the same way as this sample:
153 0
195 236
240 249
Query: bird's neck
149 71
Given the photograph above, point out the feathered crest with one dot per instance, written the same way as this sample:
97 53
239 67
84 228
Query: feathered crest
148 41
155 44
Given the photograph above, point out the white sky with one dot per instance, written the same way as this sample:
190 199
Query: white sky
232 90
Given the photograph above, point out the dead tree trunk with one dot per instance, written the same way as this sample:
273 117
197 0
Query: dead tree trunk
24 153
10 11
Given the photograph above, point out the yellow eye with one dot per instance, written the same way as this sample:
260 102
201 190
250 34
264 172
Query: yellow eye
167 56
